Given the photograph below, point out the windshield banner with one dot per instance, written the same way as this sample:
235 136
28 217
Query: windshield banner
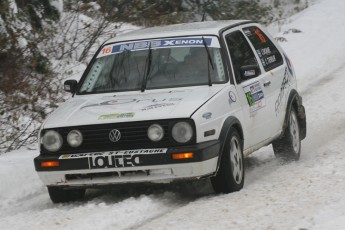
159 43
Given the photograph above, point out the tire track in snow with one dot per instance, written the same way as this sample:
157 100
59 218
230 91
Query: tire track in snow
324 102
123 208
322 80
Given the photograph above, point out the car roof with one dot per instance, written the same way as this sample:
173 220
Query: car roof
184 29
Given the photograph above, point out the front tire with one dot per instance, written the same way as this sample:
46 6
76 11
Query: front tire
289 147
230 176
59 195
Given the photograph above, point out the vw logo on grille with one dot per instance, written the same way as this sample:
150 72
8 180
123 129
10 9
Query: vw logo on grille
114 135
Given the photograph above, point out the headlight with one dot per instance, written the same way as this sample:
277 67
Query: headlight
52 141
74 138
155 132
182 132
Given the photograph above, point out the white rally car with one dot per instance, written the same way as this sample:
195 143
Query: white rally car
185 101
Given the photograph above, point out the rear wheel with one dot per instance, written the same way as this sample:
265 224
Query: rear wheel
289 147
59 195
230 176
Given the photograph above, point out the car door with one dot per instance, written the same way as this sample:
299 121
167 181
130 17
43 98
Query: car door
251 87
274 72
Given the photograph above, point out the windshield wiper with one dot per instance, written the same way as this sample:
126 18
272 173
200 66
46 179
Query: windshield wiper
148 67
209 60
118 65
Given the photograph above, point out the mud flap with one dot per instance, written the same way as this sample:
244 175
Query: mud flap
301 117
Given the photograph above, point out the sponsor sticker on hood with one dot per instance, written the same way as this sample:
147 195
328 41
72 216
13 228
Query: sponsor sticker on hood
116 115
94 109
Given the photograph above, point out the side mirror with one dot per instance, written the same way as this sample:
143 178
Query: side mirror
249 71
70 86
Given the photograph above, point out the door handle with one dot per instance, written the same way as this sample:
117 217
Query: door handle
267 83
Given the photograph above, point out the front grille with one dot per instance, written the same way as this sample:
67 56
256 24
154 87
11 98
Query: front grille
133 136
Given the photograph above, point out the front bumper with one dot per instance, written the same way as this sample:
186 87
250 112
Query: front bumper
149 165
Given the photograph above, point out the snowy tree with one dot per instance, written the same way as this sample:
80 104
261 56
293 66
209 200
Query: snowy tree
25 73
162 12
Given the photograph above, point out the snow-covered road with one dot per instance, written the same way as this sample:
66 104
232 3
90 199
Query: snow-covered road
308 194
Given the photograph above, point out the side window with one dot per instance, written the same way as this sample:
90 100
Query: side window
270 56
241 53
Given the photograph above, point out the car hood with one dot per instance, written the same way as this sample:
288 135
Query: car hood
130 106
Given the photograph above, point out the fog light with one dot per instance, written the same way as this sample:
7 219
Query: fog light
155 132
74 138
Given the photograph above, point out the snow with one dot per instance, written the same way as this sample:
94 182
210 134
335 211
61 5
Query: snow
13 6
322 23
58 4
308 194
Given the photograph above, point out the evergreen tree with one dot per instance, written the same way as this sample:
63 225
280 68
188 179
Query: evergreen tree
25 72
162 12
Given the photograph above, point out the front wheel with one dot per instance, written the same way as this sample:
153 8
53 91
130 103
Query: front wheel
289 147
230 176
59 195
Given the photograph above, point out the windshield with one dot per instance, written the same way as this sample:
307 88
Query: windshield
155 64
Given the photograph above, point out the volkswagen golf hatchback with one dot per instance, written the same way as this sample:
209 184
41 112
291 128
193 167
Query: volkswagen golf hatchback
184 101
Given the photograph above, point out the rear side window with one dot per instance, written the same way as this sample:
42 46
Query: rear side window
270 56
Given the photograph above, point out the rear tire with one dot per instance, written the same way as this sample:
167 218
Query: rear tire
59 195
230 176
289 147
